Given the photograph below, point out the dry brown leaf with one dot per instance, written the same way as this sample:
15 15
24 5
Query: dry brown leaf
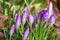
3 19
36 5
57 23
47 2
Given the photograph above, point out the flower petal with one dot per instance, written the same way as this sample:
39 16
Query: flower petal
52 19
50 9
45 15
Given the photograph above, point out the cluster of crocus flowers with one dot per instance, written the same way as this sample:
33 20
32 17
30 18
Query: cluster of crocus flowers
17 23
17 19
47 15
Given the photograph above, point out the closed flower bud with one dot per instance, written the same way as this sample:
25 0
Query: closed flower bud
18 22
25 34
24 14
31 19
12 30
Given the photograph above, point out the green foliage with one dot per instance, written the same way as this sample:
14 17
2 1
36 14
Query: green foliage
41 32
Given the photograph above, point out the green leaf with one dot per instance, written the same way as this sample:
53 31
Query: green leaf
30 36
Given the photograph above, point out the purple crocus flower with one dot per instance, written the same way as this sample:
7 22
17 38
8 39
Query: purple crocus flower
38 15
12 29
15 16
18 22
52 19
31 19
45 14
24 14
26 32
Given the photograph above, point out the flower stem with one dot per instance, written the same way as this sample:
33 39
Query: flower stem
31 28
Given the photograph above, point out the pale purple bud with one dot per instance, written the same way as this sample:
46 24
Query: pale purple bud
31 19
52 19
15 16
26 32
24 14
50 9
23 18
12 30
18 22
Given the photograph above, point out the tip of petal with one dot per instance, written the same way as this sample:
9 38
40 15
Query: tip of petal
25 9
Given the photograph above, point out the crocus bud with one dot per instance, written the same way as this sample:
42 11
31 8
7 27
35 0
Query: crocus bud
15 16
26 32
12 30
50 10
25 9
23 18
52 19
31 19
24 14
18 22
